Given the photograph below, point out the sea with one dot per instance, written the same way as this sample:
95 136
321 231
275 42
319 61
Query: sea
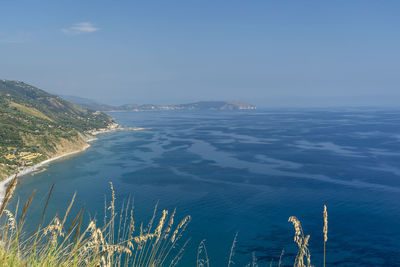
245 172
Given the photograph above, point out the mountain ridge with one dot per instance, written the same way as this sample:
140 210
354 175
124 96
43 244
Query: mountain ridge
200 105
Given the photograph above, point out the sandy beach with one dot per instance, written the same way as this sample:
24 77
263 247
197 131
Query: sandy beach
28 170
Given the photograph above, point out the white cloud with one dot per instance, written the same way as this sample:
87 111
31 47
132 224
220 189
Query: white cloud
80 28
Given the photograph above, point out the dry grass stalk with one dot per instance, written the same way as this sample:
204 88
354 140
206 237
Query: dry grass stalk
232 253
325 229
11 221
96 246
202 255
280 257
179 255
8 194
302 243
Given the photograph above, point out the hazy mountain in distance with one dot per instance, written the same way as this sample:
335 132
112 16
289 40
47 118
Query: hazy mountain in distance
201 105
88 103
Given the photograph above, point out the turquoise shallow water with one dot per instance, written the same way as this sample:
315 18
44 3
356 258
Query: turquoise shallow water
248 172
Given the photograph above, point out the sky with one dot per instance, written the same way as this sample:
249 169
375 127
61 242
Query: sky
268 53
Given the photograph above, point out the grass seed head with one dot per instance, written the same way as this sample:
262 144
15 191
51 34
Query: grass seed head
325 224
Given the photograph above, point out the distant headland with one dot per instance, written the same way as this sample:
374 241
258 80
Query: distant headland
201 105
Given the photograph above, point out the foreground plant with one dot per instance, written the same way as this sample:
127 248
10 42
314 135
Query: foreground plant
116 243
325 229
302 243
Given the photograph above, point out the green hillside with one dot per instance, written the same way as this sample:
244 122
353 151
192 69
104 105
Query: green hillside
35 125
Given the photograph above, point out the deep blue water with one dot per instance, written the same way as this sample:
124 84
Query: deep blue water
248 172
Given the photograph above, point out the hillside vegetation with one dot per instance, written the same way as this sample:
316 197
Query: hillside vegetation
36 125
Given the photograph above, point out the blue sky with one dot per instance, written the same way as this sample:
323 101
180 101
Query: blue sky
270 53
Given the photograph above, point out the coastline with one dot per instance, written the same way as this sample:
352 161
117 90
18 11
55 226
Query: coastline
87 138
34 168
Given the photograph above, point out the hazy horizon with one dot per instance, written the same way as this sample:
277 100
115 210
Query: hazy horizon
271 54
327 104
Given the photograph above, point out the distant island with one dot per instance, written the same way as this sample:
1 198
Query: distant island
202 105
37 127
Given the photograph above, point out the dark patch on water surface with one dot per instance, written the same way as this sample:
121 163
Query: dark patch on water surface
248 172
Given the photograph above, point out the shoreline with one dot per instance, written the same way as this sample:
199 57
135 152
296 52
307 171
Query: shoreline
34 168
115 129
87 139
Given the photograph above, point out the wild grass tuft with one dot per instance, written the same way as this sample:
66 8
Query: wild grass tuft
116 243
120 241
